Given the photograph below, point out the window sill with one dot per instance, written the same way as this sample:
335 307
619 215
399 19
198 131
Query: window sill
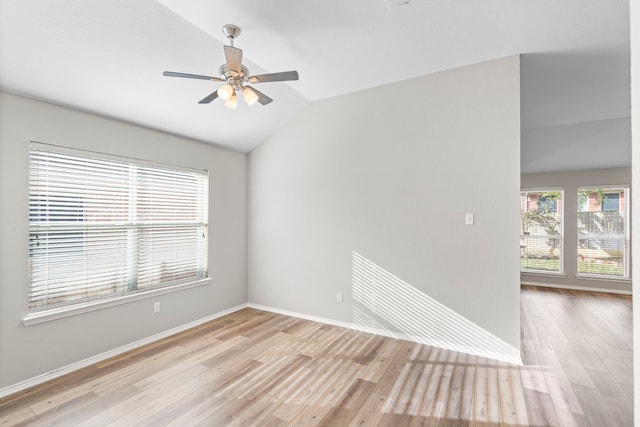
62 312
543 273
601 278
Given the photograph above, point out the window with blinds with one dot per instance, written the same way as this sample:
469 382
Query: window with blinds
541 234
603 231
102 226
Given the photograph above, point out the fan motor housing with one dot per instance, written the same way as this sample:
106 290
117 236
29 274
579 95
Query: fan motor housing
234 78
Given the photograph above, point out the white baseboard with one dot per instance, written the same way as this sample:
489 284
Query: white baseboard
23 385
513 357
577 288
301 315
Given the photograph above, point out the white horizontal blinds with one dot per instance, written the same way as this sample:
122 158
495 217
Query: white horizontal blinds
171 216
603 231
542 236
78 213
102 226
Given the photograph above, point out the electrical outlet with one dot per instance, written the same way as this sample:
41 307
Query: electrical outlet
156 307
339 297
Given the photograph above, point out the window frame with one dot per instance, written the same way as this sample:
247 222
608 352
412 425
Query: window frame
626 189
158 287
561 237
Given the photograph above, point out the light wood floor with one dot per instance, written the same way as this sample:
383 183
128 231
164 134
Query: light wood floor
259 368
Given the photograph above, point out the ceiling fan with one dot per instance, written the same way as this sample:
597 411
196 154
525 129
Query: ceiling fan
235 76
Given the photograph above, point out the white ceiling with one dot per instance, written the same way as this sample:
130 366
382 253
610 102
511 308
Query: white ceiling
107 56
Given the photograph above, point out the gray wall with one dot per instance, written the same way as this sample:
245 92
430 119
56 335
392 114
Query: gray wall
366 194
570 181
26 352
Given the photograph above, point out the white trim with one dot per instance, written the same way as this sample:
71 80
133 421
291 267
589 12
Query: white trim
603 278
301 315
73 310
513 357
577 288
541 189
23 385
66 149
604 187
543 273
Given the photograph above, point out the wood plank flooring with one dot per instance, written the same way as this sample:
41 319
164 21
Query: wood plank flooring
258 368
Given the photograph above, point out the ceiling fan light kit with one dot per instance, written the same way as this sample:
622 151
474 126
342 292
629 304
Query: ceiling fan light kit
225 92
235 76
231 103
250 97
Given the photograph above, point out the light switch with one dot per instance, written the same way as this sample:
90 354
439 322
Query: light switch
469 219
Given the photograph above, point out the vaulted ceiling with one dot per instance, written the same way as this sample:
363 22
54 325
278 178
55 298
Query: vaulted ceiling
107 57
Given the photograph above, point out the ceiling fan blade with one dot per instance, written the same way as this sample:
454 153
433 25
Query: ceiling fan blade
234 58
274 77
191 76
262 98
207 99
